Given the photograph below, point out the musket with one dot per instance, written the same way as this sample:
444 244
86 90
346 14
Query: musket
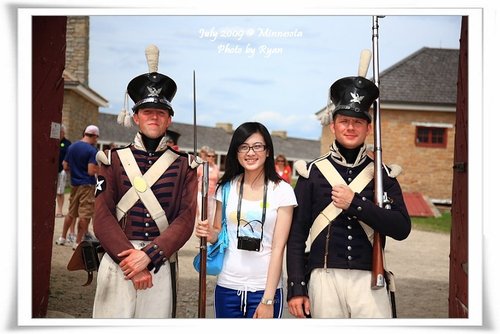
380 197
203 244
378 280
202 288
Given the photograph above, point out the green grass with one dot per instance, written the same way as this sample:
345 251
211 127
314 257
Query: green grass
439 224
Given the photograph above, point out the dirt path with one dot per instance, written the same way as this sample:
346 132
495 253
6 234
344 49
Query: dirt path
420 264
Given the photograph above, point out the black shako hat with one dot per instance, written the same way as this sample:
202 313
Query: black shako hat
152 90
353 97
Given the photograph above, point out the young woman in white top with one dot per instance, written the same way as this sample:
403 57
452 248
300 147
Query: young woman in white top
259 214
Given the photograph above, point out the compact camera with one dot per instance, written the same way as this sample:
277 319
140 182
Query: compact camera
249 244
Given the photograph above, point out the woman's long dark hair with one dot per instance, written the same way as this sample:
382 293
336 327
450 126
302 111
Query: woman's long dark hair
232 165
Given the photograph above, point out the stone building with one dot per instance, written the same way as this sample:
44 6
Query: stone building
80 103
217 137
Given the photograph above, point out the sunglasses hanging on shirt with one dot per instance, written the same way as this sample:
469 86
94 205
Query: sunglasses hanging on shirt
248 241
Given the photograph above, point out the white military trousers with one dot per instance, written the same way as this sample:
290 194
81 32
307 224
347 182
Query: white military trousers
116 296
346 293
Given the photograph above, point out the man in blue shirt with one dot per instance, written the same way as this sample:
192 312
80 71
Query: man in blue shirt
80 162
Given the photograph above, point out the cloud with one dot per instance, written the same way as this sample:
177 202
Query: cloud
276 68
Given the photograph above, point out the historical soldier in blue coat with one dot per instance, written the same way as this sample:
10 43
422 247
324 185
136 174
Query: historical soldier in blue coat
329 250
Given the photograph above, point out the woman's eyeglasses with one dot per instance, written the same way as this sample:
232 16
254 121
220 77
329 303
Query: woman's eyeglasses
257 147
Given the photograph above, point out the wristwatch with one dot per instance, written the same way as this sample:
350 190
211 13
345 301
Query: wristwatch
267 301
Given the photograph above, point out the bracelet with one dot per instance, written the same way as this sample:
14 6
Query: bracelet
267 301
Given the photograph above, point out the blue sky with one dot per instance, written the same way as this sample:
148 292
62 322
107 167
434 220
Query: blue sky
273 69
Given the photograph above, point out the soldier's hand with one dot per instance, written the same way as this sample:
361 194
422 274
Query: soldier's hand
342 196
299 306
143 280
135 260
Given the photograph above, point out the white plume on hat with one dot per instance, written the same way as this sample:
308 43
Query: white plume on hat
152 54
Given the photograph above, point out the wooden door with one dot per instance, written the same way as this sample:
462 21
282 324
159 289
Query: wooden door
48 59
459 243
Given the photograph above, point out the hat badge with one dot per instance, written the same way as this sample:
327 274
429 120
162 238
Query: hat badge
356 98
153 91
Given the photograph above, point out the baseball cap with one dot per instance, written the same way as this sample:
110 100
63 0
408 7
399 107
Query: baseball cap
92 130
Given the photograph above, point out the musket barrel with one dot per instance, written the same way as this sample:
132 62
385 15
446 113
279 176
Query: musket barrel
378 280
376 120
202 283
195 139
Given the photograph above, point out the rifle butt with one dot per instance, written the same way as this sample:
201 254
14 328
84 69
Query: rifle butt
202 288
378 280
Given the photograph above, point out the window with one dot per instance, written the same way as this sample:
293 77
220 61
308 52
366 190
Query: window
431 137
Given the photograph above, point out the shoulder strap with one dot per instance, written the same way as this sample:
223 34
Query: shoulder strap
303 169
331 211
141 185
357 185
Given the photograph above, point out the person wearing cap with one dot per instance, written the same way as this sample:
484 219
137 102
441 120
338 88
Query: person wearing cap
80 162
145 210
332 279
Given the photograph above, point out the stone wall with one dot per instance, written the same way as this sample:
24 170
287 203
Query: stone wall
78 111
77 47
77 114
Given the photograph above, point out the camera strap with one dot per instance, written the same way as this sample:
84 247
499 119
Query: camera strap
264 205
